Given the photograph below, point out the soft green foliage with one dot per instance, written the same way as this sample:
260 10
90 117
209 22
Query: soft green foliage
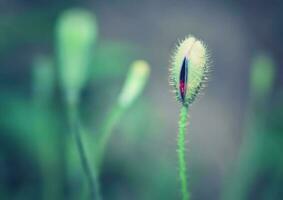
262 75
35 131
116 137
196 53
111 59
76 33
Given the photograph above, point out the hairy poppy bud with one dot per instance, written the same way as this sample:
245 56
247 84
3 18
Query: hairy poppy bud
188 69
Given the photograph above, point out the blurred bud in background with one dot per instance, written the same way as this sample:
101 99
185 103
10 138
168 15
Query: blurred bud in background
76 33
43 78
258 152
262 76
135 82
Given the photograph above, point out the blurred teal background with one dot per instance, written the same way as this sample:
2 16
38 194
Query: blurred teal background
235 134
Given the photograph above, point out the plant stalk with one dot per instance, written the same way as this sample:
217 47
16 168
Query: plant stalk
182 152
75 129
106 133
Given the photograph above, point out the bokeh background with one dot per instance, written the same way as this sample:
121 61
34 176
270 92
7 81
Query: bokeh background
235 134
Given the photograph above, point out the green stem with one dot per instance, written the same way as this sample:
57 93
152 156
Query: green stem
182 152
106 132
75 128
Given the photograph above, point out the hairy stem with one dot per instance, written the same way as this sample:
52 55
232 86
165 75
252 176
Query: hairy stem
75 129
182 152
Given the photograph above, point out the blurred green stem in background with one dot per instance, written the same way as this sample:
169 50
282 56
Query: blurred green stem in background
136 79
74 124
47 142
76 34
106 132
257 141
182 152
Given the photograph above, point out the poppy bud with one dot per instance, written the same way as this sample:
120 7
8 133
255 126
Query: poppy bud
188 69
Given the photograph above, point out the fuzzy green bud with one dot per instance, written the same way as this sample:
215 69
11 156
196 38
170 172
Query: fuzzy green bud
76 32
135 82
188 69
